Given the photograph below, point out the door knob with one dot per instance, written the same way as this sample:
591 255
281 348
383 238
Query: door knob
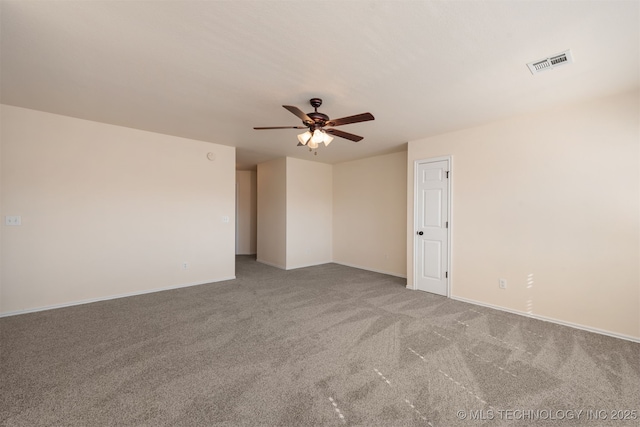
420 233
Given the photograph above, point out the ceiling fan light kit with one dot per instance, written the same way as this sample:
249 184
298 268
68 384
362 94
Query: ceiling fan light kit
315 124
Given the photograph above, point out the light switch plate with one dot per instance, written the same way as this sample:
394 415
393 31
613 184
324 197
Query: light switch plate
12 220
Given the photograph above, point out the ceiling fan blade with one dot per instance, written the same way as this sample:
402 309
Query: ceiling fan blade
298 112
345 135
364 117
281 127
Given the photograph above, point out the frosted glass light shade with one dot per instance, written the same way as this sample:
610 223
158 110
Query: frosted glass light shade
313 144
318 136
304 137
327 139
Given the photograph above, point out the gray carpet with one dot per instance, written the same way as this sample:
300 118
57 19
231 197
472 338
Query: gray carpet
326 345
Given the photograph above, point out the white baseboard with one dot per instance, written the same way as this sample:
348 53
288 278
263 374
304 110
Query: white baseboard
315 264
281 267
550 319
334 262
388 273
272 264
89 301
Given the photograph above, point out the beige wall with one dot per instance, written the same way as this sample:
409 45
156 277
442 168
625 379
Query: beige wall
109 211
294 213
370 213
550 202
272 213
309 213
246 212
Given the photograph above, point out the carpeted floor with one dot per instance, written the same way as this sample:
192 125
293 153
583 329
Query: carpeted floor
327 345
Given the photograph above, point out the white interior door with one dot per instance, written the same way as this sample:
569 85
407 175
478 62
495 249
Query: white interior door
431 250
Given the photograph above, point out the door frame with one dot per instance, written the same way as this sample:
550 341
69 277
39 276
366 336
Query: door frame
416 163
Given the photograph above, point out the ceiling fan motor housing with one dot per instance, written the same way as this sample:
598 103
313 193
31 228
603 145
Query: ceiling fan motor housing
318 118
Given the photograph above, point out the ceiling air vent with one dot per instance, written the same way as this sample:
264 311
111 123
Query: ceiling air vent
550 62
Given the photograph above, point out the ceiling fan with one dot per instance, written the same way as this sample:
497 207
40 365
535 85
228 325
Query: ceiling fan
320 128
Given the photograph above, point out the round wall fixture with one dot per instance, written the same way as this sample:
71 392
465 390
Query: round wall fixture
211 156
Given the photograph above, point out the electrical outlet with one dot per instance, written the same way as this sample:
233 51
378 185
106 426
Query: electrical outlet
185 265
502 283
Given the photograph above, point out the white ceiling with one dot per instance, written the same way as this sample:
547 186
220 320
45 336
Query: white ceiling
211 70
